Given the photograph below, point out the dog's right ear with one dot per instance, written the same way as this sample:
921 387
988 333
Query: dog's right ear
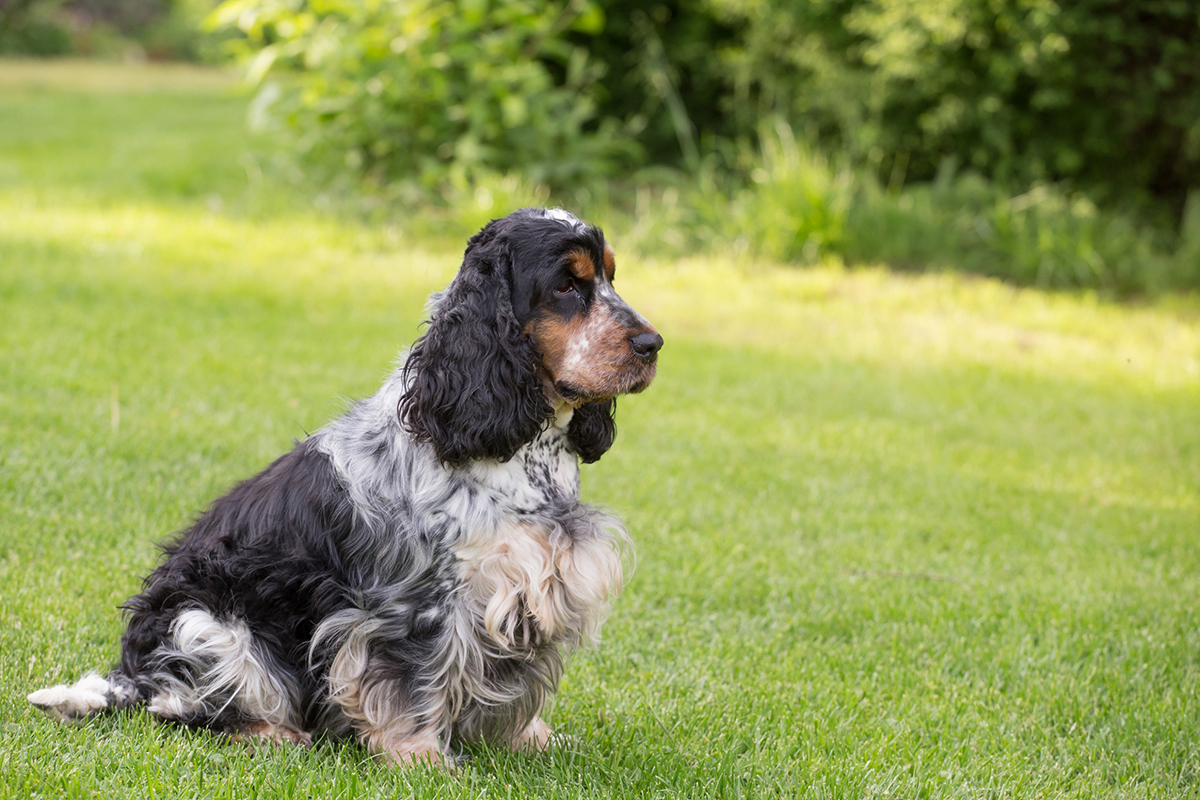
473 389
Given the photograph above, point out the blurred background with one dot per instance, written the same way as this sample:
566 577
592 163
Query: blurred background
1046 144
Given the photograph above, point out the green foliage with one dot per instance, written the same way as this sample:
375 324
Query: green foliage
33 28
1042 237
795 207
406 91
1050 145
156 29
1101 92
662 77
180 33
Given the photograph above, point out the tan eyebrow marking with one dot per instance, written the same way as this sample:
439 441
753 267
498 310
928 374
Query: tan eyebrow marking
610 262
581 265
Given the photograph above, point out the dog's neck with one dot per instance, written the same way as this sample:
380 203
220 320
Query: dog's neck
544 468
563 408
563 411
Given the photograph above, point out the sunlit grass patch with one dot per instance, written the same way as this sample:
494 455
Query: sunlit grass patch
112 77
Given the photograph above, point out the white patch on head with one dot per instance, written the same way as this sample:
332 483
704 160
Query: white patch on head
228 671
563 216
85 697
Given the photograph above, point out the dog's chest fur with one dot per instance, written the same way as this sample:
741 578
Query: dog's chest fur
545 570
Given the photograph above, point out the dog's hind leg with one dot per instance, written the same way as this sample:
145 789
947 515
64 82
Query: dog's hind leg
405 748
90 695
214 674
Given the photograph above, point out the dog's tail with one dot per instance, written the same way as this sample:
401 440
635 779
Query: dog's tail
90 695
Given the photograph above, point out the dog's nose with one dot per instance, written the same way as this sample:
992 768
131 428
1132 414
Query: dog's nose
646 345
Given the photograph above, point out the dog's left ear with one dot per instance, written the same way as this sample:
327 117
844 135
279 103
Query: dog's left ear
472 380
592 429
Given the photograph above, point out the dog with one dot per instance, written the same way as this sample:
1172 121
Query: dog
415 573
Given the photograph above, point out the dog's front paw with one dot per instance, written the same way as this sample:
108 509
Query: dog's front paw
536 738
417 749
254 733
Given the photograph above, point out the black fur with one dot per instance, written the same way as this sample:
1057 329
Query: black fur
268 550
592 430
474 390
275 552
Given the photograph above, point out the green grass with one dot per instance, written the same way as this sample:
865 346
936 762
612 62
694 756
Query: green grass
898 536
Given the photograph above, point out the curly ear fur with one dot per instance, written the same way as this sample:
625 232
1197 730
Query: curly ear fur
473 386
592 430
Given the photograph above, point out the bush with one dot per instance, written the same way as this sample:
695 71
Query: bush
662 76
408 91
1103 93
33 28
1013 138
158 29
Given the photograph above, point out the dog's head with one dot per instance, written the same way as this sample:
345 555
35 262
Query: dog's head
531 318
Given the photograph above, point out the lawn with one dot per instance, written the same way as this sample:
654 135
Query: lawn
897 536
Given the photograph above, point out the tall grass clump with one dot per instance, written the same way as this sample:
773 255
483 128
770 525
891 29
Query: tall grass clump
415 95
1041 237
790 204
795 205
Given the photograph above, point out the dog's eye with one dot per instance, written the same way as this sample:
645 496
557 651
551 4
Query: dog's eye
565 289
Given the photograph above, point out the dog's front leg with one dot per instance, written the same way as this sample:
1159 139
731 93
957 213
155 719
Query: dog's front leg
391 719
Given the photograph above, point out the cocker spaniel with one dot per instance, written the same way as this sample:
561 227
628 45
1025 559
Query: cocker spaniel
415 572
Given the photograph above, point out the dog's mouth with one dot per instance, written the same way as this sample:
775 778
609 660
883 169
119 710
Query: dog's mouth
569 392
627 381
